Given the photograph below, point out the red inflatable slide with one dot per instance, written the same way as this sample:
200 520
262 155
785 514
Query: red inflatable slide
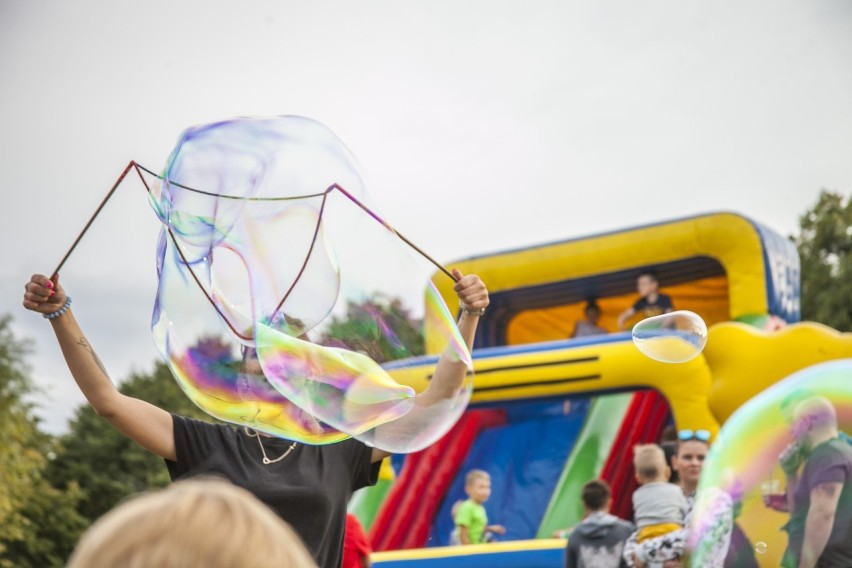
643 423
405 518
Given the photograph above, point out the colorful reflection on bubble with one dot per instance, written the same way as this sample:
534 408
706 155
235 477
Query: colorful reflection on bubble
777 434
675 337
279 298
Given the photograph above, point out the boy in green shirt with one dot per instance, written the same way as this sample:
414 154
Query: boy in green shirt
470 517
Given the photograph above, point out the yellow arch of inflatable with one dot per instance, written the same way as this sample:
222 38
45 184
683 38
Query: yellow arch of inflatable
731 239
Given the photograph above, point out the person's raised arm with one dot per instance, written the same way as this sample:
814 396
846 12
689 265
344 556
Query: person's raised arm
144 423
819 522
624 316
449 372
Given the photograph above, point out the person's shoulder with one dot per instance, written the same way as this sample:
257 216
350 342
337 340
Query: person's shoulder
350 448
464 512
352 522
470 505
625 527
662 485
660 489
196 425
832 448
842 443
835 450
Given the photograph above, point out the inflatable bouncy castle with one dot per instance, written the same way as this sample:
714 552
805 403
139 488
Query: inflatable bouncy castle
549 413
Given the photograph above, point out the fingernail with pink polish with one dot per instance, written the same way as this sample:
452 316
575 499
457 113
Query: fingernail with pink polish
49 284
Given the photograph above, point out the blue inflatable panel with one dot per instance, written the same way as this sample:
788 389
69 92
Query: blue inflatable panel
546 558
525 459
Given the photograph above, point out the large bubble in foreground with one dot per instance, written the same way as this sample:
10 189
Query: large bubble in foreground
280 297
746 464
675 337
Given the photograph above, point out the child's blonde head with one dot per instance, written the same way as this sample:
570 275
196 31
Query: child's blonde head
191 523
649 461
475 474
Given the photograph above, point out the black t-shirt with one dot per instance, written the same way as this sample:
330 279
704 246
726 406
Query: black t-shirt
661 305
309 489
829 462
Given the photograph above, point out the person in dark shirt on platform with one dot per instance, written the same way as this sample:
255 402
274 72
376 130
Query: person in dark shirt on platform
308 486
651 302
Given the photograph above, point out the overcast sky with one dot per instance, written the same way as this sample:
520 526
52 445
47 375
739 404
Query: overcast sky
481 125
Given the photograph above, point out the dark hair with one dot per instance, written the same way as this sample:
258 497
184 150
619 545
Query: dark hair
595 494
669 434
592 305
670 449
650 273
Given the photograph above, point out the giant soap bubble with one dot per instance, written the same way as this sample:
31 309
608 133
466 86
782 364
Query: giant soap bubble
754 448
280 296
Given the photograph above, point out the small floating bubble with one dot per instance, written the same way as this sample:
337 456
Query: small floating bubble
675 337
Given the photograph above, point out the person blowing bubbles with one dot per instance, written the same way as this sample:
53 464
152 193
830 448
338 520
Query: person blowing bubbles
306 485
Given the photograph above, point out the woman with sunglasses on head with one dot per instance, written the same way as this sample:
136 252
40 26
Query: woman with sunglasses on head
667 550
692 446
308 486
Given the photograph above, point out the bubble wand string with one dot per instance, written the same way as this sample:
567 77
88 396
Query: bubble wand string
139 169
94 215
392 230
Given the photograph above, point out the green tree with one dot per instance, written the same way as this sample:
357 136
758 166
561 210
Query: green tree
38 523
17 429
825 250
381 328
51 527
106 465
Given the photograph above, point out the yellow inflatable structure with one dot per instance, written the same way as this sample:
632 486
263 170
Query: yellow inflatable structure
722 266
739 276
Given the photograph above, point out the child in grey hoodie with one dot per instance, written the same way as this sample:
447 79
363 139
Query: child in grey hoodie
598 541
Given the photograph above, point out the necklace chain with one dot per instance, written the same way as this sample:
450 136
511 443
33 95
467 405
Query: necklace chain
266 460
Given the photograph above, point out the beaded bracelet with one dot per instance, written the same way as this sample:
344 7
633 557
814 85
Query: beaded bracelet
60 311
471 311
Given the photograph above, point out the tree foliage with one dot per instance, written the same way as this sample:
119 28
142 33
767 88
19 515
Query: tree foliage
17 429
825 250
381 328
52 489
38 523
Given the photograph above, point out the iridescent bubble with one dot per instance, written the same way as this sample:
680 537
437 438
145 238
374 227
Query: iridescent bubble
783 430
675 337
280 297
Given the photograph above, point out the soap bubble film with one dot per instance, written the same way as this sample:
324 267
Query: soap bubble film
764 440
675 337
279 298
